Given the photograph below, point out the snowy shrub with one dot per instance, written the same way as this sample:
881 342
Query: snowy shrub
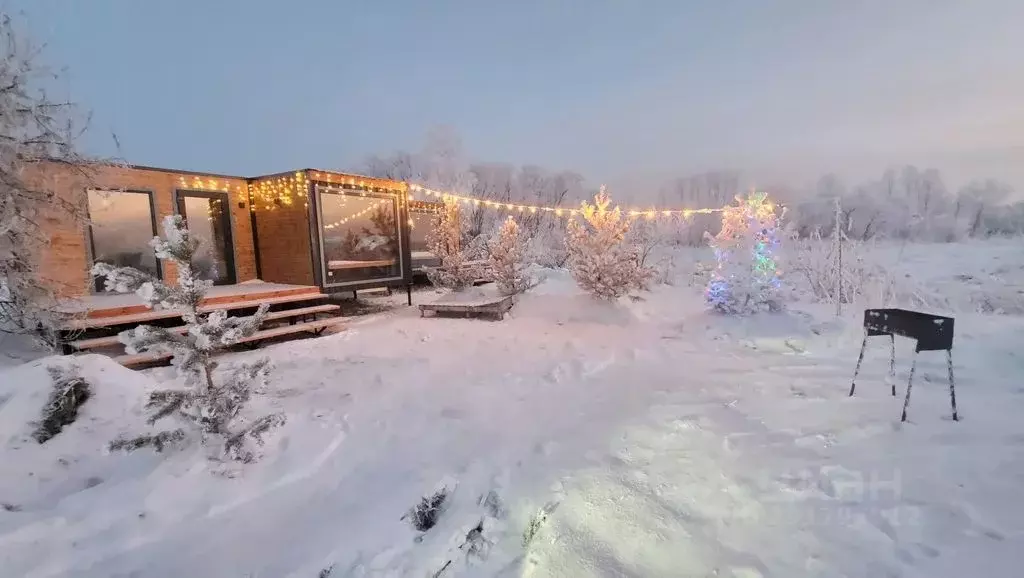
445 241
211 406
424 515
603 262
828 269
507 260
746 279
68 394
157 441
547 248
537 521
653 238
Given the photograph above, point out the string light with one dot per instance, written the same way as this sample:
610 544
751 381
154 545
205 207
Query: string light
358 214
287 190
558 211
279 191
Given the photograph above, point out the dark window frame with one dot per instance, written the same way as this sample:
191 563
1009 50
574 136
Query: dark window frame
96 285
229 258
320 189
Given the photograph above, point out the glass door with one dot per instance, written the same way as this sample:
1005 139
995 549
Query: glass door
208 219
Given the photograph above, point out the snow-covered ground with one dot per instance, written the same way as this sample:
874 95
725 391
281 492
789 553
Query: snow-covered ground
663 440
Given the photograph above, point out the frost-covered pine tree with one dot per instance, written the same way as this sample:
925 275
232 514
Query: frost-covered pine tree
507 259
746 279
211 402
445 242
603 262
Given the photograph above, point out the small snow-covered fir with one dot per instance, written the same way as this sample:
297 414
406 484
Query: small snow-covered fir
603 262
507 259
212 406
445 242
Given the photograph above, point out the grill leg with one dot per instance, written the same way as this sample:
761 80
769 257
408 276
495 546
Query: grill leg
910 383
408 293
952 391
892 363
860 359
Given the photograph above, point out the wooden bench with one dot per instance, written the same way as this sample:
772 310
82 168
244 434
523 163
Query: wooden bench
316 327
496 307
290 314
139 318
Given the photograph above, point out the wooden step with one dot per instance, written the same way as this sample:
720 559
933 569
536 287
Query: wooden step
113 340
92 323
147 358
207 301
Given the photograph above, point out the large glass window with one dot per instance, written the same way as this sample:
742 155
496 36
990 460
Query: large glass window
360 236
121 225
420 223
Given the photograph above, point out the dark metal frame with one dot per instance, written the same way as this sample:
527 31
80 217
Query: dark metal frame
404 279
931 332
92 242
229 257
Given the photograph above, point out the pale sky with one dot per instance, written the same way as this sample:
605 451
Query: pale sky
613 89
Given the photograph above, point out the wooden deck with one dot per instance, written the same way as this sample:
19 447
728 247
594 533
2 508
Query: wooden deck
293 311
131 309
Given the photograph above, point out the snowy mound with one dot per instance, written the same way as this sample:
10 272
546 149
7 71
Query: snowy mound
558 299
38 474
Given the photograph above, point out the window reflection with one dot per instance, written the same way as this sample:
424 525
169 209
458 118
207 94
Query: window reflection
420 223
121 227
209 222
360 237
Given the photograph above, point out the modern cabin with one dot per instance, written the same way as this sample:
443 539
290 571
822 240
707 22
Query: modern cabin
334 231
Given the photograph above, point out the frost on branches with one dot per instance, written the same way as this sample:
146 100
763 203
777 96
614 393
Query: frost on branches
507 259
445 241
34 129
211 406
746 279
602 261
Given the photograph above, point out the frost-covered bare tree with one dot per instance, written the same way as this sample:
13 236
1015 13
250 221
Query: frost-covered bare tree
35 129
978 203
602 260
507 259
399 166
212 406
911 204
710 189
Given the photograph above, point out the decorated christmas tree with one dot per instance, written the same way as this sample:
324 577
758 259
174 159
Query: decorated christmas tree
747 278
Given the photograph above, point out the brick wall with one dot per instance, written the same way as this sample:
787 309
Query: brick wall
283 228
66 261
